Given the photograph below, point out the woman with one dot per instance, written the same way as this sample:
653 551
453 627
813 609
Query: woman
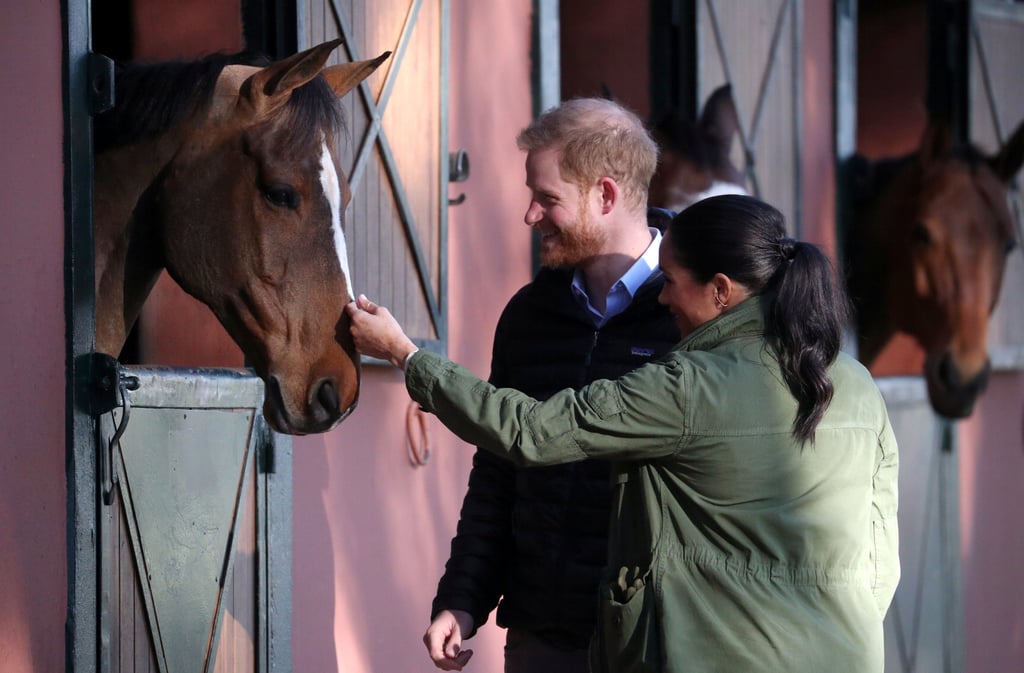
754 527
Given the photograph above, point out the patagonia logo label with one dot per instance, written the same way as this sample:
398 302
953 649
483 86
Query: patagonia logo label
641 352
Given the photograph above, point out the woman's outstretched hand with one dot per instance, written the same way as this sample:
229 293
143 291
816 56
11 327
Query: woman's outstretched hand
376 332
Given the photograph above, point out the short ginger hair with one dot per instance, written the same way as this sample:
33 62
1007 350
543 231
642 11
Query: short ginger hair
596 138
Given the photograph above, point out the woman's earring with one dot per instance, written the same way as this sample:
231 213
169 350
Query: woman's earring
719 302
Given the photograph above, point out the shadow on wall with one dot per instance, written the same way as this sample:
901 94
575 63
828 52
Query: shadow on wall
371 536
313 582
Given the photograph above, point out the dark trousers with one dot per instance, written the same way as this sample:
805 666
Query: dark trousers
526 653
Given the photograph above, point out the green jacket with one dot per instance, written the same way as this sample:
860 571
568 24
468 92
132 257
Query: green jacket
737 549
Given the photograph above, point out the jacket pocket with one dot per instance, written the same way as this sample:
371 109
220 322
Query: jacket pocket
627 638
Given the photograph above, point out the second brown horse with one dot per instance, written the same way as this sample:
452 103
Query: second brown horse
925 255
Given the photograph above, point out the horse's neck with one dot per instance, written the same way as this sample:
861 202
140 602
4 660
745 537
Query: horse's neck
127 255
867 278
867 245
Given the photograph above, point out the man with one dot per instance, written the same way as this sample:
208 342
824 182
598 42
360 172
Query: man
533 541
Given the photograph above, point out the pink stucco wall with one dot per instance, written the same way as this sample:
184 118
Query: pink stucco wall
371 532
991 454
33 579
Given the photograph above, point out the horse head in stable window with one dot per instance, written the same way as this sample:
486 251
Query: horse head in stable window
693 160
925 255
224 174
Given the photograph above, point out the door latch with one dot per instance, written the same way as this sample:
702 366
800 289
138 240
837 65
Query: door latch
110 388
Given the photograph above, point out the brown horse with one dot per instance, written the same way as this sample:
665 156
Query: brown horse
925 255
223 173
693 161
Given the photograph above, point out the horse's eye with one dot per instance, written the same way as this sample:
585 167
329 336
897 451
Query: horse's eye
920 234
282 196
1010 246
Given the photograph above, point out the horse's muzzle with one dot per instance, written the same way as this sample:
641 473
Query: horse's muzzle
321 413
950 394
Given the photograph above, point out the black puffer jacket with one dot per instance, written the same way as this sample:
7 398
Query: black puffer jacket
536 538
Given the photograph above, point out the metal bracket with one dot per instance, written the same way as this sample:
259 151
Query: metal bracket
106 371
101 83
458 171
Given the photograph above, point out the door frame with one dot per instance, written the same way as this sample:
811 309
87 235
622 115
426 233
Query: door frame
81 632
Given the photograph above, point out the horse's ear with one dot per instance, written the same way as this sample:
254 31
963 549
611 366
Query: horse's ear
345 77
719 119
719 122
936 142
1011 155
272 85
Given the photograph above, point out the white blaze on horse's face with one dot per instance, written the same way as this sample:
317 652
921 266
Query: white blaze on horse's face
332 190
717 188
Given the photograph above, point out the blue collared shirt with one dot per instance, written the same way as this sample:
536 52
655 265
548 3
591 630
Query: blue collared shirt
620 296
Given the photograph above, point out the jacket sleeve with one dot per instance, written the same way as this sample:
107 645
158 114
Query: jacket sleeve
637 416
883 518
473 576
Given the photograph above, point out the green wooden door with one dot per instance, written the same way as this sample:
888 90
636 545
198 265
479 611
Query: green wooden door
396 154
194 526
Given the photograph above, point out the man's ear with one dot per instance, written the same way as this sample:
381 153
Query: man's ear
610 194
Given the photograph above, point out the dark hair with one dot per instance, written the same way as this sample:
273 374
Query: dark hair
154 97
804 308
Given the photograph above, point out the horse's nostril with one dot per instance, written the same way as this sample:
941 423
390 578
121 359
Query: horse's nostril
274 407
948 374
327 396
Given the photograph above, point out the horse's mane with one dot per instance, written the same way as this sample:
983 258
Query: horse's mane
870 177
154 97
684 136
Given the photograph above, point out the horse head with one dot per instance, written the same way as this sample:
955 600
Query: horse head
694 161
945 227
248 211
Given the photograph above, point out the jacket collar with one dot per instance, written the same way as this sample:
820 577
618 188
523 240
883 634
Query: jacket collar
744 319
